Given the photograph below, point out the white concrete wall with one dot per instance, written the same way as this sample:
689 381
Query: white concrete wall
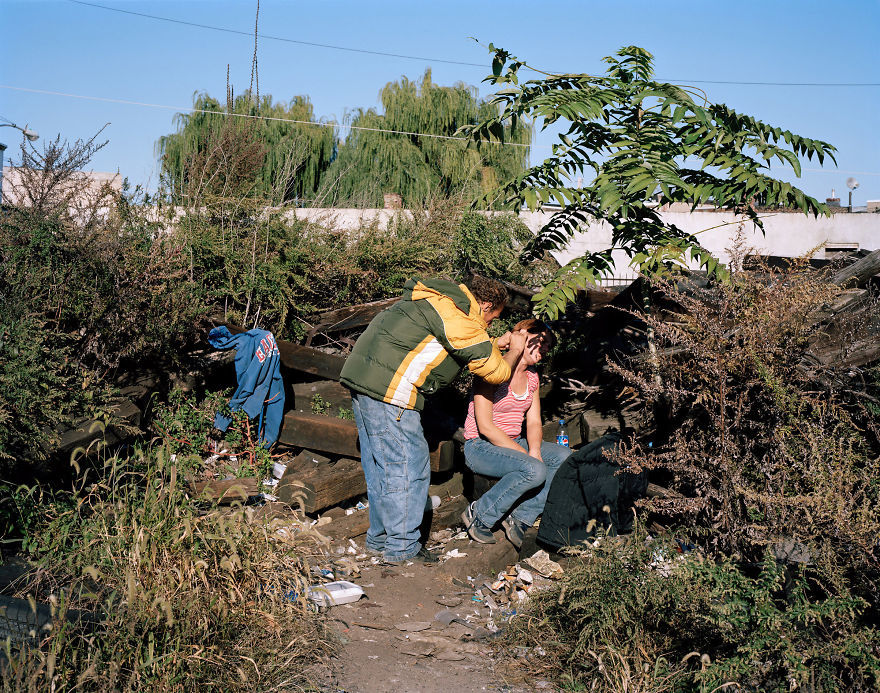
787 234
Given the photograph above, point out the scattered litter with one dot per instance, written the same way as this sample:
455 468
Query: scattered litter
441 536
455 553
325 573
278 470
271 482
542 564
435 502
268 497
360 505
335 593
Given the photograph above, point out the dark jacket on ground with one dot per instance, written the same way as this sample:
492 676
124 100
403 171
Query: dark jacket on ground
586 483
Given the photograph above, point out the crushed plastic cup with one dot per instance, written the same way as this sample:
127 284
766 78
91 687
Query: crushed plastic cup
335 593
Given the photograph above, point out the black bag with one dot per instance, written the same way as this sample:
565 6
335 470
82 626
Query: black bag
587 487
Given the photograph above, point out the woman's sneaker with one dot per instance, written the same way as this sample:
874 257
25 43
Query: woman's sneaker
515 530
476 530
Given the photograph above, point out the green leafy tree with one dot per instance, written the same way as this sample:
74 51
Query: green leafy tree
639 142
282 160
419 168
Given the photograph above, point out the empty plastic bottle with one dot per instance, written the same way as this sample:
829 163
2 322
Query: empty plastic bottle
562 434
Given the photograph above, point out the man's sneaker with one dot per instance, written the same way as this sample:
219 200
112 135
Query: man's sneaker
424 557
515 530
476 530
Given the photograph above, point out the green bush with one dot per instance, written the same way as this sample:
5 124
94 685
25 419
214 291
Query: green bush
639 615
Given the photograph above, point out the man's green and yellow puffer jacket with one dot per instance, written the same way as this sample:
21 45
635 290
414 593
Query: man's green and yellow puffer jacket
421 343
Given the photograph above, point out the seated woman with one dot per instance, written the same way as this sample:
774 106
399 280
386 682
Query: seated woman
494 446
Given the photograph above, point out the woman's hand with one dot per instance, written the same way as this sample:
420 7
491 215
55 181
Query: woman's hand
536 453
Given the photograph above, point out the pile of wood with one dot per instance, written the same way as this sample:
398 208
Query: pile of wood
323 476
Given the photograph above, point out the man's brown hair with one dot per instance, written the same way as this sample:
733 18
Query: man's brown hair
488 290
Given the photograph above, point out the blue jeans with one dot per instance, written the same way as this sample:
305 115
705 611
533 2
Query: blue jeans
520 476
397 468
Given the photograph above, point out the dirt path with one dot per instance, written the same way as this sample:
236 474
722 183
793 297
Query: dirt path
393 641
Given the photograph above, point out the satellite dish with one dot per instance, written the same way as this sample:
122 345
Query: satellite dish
852 183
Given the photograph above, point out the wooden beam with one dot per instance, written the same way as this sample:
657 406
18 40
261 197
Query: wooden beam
321 433
336 395
859 272
315 482
302 358
351 317
90 430
443 456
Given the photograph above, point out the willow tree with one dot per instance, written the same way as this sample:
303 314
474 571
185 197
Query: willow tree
412 163
287 158
638 142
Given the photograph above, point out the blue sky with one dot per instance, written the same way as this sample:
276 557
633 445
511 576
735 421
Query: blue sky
62 46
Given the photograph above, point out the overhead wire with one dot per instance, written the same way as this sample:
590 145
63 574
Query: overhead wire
190 109
341 126
441 60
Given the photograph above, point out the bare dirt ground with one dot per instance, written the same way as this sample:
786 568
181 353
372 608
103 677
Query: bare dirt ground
392 640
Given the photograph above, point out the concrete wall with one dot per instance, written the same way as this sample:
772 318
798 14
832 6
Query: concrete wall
787 234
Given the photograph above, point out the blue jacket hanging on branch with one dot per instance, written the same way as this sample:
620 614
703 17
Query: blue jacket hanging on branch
260 392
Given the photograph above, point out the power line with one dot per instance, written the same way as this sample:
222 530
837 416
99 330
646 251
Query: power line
190 109
276 38
444 60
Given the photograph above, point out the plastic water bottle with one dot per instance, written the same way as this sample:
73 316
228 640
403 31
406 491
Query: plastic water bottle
562 434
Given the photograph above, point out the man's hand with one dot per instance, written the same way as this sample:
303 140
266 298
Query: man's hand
517 341
503 341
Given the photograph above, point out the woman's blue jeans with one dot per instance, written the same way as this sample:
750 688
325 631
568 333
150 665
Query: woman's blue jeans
397 469
523 481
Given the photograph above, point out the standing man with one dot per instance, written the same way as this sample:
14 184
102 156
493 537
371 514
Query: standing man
408 351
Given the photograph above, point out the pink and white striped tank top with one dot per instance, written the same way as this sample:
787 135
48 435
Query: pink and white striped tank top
508 408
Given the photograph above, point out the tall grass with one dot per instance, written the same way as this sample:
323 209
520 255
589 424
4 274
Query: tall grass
186 599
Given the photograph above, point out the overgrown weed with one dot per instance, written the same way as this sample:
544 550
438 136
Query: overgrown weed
186 600
638 615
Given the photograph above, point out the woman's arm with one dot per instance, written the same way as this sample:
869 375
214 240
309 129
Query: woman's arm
534 430
484 394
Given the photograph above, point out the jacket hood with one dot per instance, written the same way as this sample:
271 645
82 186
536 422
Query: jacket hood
458 294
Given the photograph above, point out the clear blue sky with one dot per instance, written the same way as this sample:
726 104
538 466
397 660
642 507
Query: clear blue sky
66 47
